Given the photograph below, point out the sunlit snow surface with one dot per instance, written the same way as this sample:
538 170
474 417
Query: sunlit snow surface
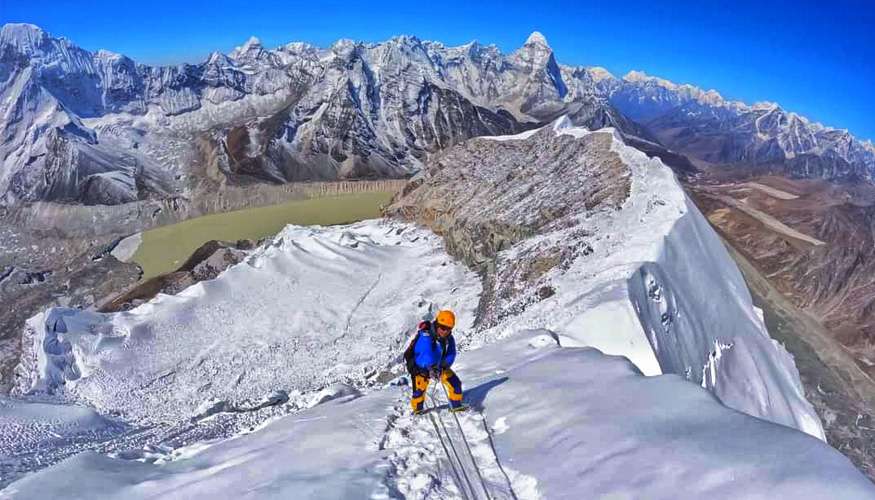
319 317
563 422
314 307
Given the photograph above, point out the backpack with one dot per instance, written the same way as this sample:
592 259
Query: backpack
409 360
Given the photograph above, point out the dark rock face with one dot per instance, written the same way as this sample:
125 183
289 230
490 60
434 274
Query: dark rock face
484 196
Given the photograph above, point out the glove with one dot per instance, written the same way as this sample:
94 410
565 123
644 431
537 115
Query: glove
434 372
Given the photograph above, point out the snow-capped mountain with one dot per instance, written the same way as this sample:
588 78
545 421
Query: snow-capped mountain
99 128
707 126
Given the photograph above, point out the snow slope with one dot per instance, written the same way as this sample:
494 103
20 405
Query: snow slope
32 432
562 422
621 435
287 459
314 307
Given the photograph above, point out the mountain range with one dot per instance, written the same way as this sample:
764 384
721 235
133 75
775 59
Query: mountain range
99 128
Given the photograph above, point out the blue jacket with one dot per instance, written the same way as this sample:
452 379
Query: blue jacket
429 350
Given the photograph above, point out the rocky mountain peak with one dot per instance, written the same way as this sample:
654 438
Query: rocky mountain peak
642 77
599 74
251 47
27 38
298 47
404 47
536 38
765 106
252 42
343 47
108 55
544 81
29 45
535 51
217 57
408 40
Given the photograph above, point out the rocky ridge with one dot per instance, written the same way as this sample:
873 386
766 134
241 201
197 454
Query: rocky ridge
578 231
483 197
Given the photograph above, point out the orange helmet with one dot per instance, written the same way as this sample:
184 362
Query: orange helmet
445 318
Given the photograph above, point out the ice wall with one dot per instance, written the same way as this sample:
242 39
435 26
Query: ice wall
699 318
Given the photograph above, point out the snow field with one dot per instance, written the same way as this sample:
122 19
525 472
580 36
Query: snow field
315 307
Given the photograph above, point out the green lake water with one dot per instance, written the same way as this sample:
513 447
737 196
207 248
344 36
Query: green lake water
164 249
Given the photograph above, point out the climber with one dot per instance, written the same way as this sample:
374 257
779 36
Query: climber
430 356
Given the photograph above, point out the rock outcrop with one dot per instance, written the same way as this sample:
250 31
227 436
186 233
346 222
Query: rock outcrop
205 263
485 196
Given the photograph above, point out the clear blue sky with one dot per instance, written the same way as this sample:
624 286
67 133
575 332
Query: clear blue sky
816 58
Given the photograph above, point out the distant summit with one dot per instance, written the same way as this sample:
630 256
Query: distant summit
537 38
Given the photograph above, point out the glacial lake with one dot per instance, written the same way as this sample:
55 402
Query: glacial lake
164 249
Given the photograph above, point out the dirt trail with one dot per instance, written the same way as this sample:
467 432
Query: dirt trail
777 193
769 221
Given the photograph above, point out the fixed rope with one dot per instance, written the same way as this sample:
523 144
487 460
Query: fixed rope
468 447
497 461
455 472
452 447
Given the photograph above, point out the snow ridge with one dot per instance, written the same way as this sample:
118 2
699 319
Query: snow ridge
616 274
